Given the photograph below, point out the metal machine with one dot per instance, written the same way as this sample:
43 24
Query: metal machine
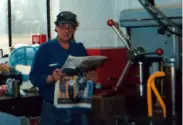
155 33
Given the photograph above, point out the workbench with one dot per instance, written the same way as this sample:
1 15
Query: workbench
29 105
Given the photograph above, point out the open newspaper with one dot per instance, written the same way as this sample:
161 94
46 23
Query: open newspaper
74 90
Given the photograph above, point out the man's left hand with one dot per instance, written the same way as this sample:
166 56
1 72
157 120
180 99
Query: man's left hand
92 75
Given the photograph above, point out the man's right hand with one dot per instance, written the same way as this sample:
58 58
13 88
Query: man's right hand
56 75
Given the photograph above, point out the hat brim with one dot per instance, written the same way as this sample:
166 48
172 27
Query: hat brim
66 22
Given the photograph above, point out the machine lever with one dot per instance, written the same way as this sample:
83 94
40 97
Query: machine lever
132 55
122 76
111 23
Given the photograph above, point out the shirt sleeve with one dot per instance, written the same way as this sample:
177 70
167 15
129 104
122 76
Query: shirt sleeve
38 74
83 50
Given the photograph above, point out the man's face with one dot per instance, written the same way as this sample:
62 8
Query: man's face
65 32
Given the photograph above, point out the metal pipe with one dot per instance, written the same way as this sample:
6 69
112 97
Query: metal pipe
123 73
162 82
141 85
173 84
170 80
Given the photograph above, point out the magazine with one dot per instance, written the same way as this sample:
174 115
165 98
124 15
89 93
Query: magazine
74 90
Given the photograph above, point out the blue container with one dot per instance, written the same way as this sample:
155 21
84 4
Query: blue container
22 56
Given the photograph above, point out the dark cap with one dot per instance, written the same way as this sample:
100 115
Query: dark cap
66 17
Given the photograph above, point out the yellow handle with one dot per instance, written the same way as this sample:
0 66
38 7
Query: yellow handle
149 97
160 100
150 83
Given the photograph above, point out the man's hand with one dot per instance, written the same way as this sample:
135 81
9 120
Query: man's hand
92 75
56 75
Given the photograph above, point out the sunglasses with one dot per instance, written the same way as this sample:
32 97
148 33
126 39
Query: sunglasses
67 27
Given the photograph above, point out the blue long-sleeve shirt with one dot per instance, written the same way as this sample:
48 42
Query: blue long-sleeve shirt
48 53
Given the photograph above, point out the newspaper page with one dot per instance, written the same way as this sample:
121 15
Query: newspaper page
75 91
84 62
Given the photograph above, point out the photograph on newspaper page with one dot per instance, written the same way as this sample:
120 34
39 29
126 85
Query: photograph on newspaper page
74 90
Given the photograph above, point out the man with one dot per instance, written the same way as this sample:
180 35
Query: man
44 76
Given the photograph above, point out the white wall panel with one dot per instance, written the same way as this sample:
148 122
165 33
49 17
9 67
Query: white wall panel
54 10
133 4
96 38
119 6
92 16
91 13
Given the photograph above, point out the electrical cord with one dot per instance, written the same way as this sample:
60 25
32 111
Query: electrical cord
153 11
